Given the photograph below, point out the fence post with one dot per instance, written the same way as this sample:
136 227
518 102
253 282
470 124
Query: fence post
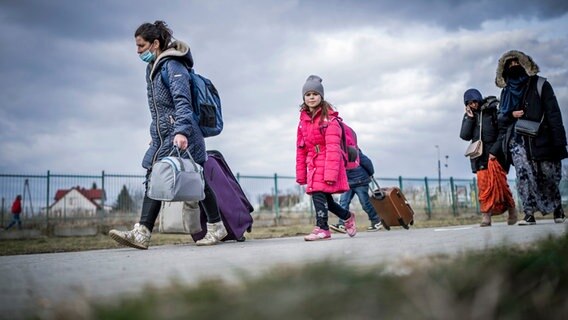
47 203
103 188
276 202
428 207
400 183
103 198
2 221
238 177
453 195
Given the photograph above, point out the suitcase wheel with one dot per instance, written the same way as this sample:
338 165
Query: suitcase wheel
401 222
387 227
411 222
241 239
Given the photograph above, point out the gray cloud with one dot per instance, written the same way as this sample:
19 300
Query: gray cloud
73 87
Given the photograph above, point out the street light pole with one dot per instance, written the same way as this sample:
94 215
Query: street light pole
439 170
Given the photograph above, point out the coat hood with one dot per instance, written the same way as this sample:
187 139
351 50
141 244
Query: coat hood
472 95
490 102
525 61
178 50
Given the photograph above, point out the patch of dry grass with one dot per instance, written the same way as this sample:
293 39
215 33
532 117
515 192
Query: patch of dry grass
102 241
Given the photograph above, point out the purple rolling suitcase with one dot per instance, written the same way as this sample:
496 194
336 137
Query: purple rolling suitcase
233 205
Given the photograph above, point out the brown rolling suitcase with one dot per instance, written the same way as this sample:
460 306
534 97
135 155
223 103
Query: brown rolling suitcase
392 207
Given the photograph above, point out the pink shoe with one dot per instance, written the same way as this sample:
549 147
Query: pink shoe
350 226
318 234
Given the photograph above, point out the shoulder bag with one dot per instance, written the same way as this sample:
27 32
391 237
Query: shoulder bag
475 149
528 127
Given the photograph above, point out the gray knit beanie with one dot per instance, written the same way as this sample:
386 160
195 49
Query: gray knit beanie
313 83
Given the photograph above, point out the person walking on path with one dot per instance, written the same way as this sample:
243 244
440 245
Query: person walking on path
16 211
359 179
172 125
527 99
320 159
480 122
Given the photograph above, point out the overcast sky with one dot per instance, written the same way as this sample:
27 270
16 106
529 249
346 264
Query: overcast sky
73 93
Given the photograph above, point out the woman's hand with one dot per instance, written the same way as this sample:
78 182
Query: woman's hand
492 157
180 141
468 112
517 114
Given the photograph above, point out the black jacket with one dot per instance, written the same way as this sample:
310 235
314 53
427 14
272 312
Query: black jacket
550 143
470 130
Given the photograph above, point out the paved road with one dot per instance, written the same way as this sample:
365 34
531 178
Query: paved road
29 283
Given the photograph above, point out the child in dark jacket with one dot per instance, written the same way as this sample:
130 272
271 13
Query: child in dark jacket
359 179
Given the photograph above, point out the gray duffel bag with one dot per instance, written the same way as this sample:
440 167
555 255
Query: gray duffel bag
176 179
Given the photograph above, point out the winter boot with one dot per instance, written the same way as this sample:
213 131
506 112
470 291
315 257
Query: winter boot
138 238
485 220
512 219
215 233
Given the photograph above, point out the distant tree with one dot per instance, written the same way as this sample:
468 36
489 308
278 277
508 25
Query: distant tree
124 201
138 197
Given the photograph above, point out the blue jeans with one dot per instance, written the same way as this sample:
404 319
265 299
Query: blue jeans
362 193
15 219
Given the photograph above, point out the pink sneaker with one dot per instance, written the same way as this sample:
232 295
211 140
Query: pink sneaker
350 226
318 234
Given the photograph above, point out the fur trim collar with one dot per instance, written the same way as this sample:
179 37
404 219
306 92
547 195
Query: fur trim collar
524 60
177 49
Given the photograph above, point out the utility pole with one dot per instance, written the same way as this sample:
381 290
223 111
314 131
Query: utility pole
28 195
439 170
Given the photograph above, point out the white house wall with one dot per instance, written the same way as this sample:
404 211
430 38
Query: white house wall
73 204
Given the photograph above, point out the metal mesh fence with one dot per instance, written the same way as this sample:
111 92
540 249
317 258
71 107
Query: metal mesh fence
53 198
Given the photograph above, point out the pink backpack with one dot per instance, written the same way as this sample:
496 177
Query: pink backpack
349 145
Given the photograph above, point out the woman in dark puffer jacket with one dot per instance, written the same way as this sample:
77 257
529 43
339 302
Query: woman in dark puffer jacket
172 125
537 159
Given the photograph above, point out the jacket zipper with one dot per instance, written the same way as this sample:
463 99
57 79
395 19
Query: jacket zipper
157 122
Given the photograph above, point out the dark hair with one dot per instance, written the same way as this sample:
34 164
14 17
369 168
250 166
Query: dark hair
155 31
324 106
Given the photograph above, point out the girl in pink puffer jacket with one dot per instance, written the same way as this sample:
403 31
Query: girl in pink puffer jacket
320 161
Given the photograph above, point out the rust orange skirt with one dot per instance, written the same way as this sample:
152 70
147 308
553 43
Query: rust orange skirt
495 196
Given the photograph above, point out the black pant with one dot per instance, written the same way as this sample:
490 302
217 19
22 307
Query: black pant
151 208
324 202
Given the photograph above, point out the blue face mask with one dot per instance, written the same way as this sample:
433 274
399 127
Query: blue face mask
147 56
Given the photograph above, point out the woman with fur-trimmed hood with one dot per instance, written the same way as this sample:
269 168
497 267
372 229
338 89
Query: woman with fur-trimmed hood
537 159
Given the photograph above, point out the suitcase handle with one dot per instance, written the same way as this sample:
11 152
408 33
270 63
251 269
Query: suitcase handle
377 193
